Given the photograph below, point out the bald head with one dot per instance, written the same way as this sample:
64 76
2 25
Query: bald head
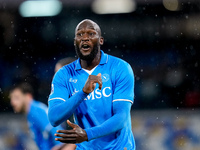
88 40
89 24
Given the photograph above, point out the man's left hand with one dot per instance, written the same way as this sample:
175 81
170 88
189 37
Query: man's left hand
76 135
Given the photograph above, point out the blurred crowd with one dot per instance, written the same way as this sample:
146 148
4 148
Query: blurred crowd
160 80
163 51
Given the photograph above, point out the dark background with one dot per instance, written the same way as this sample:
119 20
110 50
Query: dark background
162 47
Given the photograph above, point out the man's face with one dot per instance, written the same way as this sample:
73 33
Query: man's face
87 41
17 100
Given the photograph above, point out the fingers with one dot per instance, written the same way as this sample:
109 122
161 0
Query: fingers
71 124
99 75
100 81
69 139
91 83
64 140
97 79
66 135
66 131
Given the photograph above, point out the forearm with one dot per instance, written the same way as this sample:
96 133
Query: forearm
112 125
59 110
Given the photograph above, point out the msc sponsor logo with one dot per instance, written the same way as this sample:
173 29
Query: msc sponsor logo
97 93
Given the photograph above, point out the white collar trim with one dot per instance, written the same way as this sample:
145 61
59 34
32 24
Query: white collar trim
89 71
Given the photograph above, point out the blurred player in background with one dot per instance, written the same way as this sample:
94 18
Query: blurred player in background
63 62
60 64
102 112
42 132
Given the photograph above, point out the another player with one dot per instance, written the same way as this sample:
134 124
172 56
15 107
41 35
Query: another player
102 110
42 131
60 64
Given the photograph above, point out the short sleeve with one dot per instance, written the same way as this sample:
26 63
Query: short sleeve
124 83
40 118
58 87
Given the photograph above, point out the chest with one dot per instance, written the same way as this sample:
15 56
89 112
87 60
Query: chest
78 79
99 102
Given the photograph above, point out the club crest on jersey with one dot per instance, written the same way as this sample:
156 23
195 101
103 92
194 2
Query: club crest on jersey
105 77
73 80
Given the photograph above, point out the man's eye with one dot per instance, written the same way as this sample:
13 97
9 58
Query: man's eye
80 34
91 34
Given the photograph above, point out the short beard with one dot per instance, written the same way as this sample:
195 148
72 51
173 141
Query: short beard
23 110
89 57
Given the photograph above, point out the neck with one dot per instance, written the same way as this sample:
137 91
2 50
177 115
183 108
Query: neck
89 65
27 106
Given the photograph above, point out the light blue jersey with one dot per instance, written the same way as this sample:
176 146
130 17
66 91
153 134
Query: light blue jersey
97 107
41 130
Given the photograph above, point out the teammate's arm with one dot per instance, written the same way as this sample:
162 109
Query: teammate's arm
60 106
41 122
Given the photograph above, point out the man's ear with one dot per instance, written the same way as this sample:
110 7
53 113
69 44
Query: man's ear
101 40
74 42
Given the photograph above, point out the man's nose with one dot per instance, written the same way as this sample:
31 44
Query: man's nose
85 37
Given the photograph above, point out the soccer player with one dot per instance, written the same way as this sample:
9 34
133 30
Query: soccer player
42 131
63 62
99 90
60 64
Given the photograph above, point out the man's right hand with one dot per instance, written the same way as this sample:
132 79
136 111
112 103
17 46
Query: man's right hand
91 83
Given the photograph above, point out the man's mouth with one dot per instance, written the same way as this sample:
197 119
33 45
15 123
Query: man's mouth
85 47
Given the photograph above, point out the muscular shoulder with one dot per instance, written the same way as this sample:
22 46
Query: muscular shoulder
117 63
38 112
38 107
38 115
119 69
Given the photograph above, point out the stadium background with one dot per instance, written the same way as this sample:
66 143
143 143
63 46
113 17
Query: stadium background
159 38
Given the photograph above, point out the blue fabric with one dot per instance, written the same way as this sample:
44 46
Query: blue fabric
118 121
95 111
41 130
62 108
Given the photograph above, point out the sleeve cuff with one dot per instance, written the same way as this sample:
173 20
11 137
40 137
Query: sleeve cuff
89 134
82 94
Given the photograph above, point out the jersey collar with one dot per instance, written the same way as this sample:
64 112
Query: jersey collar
104 60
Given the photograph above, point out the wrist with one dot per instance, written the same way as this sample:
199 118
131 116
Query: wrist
86 136
82 93
85 91
89 134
